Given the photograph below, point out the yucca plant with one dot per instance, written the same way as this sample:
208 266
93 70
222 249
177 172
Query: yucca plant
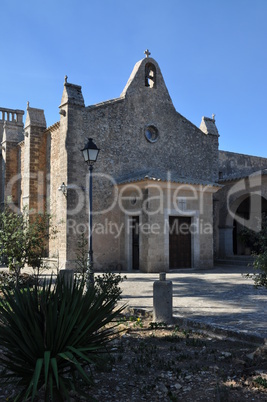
50 336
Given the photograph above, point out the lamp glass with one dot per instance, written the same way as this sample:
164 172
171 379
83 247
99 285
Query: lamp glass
85 154
93 154
90 152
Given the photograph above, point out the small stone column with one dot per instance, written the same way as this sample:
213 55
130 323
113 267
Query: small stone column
225 241
67 275
162 300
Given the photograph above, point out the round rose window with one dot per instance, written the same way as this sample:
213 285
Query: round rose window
151 133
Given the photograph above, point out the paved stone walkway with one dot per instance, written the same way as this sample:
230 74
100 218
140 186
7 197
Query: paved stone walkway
217 299
220 298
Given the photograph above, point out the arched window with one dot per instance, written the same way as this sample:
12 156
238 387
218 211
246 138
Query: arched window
150 75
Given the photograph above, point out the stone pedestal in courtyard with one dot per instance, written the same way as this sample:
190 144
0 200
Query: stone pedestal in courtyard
162 300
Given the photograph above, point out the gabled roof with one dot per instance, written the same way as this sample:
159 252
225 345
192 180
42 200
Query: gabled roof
54 127
240 176
158 176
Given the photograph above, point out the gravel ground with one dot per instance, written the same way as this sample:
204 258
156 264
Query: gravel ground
154 362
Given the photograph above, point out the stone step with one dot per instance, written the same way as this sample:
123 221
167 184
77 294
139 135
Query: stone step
240 260
239 257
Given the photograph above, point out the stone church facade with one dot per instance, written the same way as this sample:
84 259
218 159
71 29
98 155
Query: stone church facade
164 196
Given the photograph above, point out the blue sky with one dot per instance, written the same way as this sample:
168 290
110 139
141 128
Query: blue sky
212 54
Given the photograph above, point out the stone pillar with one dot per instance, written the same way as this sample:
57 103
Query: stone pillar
71 129
11 134
67 275
162 300
34 160
225 241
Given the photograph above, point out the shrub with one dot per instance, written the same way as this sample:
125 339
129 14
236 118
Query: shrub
108 285
250 239
260 256
23 239
82 255
50 335
8 280
260 264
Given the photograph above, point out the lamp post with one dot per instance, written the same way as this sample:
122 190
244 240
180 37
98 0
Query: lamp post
90 154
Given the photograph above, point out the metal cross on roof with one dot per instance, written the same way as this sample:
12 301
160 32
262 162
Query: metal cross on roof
147 53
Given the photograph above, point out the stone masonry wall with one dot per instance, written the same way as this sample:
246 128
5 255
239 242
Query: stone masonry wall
234 164
11 132
118 129
53 181
34 160
22 148
10 159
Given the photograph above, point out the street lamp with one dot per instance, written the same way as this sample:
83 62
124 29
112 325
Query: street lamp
90 154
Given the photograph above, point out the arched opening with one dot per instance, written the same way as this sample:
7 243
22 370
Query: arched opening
150 75
247 222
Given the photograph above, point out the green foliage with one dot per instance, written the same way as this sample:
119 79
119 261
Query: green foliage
260 256
260 264
157 325
137 321
250 239
83 263
38 232
82 255
24 238
49 336
12 239
261 381
108 285
9 280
